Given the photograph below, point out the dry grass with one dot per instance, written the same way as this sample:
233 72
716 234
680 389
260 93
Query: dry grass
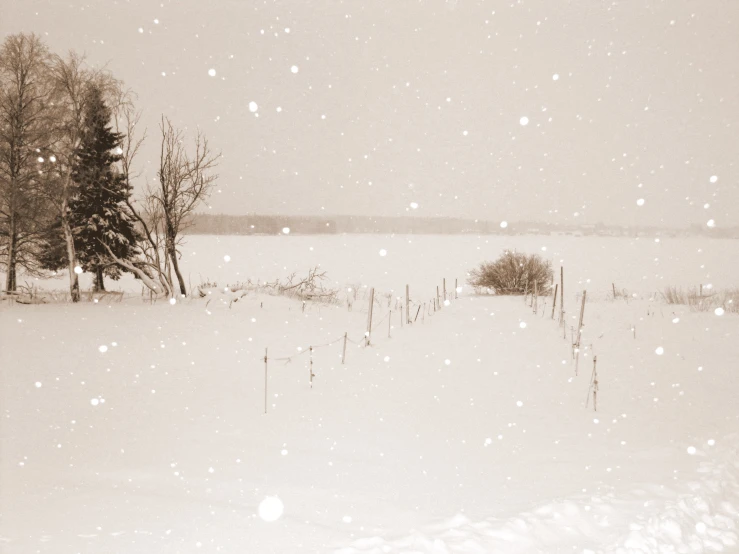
728 299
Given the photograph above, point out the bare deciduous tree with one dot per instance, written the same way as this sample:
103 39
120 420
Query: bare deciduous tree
147 215
26 103
185 180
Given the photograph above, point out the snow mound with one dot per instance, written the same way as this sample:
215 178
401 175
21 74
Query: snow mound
699 516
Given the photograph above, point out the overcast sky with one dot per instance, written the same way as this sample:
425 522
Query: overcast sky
365 107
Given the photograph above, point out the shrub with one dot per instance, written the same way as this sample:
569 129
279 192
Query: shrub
708 300
513 273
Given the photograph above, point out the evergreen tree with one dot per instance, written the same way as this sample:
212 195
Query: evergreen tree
97 211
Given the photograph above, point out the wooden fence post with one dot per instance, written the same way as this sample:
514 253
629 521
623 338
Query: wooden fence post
455 289
311 366
343 353
582 313
407 305
554 303
562 293
444 281
437 296
369 316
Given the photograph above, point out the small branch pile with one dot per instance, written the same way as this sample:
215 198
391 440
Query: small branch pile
308 288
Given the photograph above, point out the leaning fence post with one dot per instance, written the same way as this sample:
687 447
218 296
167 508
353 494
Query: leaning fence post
265 380
369 317
554 303
343 354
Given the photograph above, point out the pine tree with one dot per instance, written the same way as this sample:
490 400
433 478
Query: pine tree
97 211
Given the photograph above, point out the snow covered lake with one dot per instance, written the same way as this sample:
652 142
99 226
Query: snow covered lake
130 427
644 264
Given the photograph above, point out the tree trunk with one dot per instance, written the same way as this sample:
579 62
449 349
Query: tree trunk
10 279
74 283
173 257
99 285
150 284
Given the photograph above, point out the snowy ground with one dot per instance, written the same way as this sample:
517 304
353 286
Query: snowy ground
466 432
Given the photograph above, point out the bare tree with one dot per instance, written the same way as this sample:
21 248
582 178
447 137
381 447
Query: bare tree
72 79
185 180
26 100
148 215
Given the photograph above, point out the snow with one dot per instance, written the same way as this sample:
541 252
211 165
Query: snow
396 450
524 121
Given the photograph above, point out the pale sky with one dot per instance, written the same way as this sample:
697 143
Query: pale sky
409 101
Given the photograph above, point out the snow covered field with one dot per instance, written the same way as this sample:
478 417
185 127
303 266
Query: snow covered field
137 428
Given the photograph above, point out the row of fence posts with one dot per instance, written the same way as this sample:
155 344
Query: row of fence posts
368 333
575 336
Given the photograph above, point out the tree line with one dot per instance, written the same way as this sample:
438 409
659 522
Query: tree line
69 139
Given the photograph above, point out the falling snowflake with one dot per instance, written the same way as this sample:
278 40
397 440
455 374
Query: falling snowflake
294 69
94 401
691 450
711 223
173 301
522 325
414 205
286 230
103 349
555 77
271 508
253 107
524 121
640 202
383 252
503 224
719 311
77 270
226 258
713 178
212 72
659 351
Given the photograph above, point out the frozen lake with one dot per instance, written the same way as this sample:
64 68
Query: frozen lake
637 264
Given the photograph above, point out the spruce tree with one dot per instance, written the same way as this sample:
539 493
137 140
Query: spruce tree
97 211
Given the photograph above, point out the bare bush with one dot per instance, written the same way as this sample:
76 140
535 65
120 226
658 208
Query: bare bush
513 273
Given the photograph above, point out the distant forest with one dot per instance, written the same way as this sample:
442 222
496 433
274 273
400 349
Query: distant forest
221 224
